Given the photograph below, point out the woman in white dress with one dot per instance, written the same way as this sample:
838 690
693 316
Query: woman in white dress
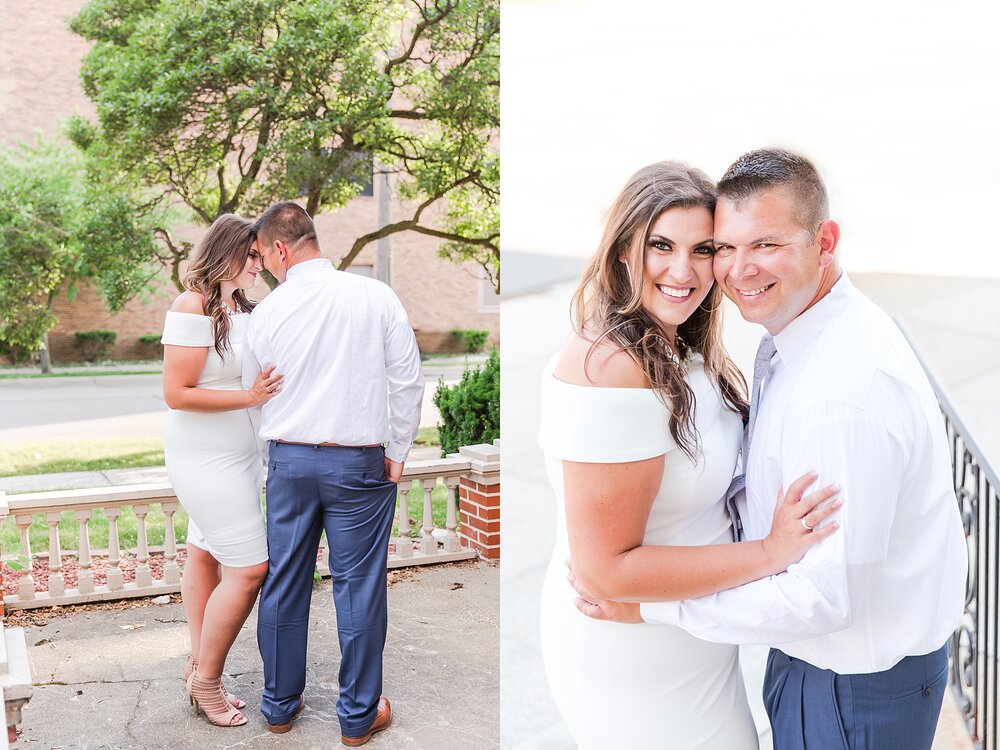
212 455
642 419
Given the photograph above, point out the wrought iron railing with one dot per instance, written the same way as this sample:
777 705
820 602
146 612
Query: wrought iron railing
973 647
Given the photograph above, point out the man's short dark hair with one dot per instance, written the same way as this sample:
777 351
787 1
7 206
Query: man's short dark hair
768 168
285 221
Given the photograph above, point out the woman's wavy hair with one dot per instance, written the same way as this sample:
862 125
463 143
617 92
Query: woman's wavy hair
608 302
221 256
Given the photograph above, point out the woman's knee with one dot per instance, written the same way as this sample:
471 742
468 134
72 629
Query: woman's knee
251 576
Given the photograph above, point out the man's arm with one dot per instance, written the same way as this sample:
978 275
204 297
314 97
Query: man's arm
814 596
406 386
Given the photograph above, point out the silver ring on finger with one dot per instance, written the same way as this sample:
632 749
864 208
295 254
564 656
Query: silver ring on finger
806 526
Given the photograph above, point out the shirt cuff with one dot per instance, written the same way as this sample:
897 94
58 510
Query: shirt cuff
397 451
661 613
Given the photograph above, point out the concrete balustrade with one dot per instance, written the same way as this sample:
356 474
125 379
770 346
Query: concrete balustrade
473 466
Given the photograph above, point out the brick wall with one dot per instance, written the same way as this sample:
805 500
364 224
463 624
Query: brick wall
39 91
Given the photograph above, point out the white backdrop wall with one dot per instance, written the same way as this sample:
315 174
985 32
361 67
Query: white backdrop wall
894 101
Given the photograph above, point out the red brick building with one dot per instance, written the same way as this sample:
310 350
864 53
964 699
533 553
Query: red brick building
40 88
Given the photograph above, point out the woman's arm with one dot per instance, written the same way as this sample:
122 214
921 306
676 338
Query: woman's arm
607 508
182 367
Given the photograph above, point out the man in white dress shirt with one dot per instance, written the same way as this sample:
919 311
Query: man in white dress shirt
352 384
859 625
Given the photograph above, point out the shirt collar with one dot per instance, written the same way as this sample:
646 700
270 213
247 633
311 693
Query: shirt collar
798 335
308 266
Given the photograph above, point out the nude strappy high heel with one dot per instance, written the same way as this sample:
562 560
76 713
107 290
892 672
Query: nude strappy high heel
208 696
192 664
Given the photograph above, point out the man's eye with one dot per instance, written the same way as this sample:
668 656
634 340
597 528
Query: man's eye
724 249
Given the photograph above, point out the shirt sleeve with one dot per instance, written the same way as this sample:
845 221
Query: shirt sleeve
846 446
405 381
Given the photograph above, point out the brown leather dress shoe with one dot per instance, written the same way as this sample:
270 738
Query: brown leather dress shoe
383 718
282 728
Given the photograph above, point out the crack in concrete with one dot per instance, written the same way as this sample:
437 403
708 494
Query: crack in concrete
135 710
57 683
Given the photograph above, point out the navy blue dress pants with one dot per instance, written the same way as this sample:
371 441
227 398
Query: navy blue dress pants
342 490
816 709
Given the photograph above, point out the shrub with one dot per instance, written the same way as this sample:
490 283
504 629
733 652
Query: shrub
94 345
149 346
474 340
470 409
15 352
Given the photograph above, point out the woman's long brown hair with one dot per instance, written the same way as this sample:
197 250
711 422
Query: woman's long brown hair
608 302
221 256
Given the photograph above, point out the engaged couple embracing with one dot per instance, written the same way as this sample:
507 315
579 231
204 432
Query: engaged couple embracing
814 513
332 363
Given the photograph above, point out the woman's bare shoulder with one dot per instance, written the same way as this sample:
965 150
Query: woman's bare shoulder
189 302
605 365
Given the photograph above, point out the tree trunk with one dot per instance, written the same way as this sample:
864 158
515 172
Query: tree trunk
44 360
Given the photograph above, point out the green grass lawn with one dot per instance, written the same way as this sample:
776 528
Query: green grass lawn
55 456
75 374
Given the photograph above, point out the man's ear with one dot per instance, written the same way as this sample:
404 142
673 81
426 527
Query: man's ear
282 249
828 237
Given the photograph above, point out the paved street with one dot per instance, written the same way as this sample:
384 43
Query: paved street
130 406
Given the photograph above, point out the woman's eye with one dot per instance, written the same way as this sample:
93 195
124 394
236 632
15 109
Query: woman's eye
661 246
705 250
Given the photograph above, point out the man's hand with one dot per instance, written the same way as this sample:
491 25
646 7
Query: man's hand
393 470
602 609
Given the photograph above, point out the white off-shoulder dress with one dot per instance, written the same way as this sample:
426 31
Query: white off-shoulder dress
642 686
213 460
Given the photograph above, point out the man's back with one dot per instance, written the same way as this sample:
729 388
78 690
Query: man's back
349 359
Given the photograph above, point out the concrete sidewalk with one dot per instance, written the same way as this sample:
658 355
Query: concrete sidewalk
79 480
112 679
952 323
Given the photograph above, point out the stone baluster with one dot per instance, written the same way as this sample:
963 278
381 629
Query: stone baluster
171 573
451 541
85 582
57 583
404 546
26 585
116 582
143 575
428 544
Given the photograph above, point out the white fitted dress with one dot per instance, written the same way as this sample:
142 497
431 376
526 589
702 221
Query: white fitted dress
642 686
213 459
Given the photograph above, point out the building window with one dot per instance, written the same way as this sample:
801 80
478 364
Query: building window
489 300
362 270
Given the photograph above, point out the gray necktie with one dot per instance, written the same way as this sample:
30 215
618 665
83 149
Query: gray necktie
761 366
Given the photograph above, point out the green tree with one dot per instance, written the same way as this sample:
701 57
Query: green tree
57 229
231 105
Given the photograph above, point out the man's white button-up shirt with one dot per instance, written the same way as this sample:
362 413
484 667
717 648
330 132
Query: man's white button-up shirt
848 399
349 358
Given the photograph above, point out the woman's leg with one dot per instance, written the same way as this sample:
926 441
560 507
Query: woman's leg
224 614
202 575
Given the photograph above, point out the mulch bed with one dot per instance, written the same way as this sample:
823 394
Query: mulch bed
98 566
18 618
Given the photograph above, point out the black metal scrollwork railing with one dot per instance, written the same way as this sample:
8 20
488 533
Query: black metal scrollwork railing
973 647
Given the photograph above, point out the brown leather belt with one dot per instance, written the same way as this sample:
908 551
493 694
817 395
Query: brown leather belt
328 445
